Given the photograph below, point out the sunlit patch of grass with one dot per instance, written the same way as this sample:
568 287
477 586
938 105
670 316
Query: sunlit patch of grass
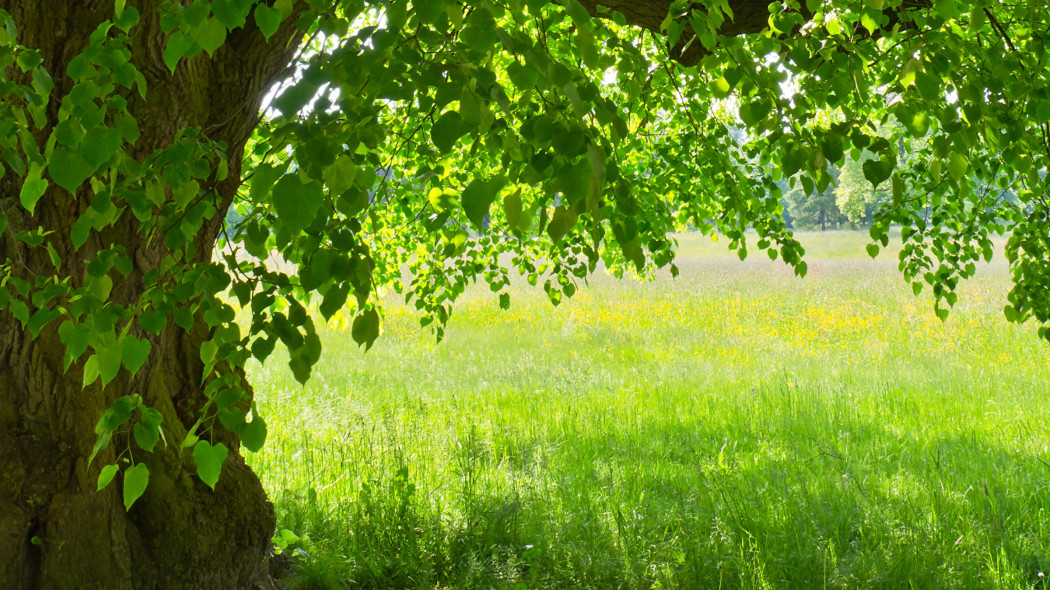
736 427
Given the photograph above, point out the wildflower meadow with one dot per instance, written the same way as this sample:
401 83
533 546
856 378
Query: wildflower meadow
736 427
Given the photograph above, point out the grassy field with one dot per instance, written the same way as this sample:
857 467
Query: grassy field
733 428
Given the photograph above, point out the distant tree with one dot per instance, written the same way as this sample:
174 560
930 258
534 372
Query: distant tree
819 211
854 194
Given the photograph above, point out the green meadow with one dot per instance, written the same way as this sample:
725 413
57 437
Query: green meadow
736 427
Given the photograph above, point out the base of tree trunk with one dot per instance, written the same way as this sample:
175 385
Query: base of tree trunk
179 535
57 532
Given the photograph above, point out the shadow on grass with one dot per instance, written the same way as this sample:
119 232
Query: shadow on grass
808 493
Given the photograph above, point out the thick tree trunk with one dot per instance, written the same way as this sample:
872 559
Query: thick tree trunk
56 530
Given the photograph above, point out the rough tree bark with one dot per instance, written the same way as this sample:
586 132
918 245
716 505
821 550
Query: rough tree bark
56 531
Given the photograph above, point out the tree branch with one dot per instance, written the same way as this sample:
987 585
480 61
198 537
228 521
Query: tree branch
749 17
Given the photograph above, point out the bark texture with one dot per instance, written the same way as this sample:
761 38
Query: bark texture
56 531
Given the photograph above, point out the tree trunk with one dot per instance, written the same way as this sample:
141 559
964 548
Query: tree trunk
56 530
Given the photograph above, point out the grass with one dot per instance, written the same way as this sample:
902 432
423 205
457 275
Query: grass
733 428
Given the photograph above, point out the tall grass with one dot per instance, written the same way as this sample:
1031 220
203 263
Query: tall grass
733 428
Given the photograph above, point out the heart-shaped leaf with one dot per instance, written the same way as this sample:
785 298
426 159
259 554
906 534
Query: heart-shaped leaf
209 460
136 478
134 352
69 170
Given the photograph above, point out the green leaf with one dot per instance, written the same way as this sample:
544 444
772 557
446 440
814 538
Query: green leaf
946 8
429 13
153 321
295 98
575 181
334 300
977 19
1011 314
263 179
145 436
586 47
929 86
877 171
134 352
126 19
447 130
253 436
580 16
179 45
340 175
285 539
480 29
29 59
366 328
300 368
868 22
918 124
268 19
108 357
957 165
562 221
472 109
151 417
69 133
512 209
231 13
99 145
209 460
69 170
522 76
297 203
232 418
33 189
116 415
40 319
105 476
211 35
478 198
136 478
873 250
1041 110
76 338
831 147
720 88
755 112
91 371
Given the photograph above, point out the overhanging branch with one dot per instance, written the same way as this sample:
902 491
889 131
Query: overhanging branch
749 17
